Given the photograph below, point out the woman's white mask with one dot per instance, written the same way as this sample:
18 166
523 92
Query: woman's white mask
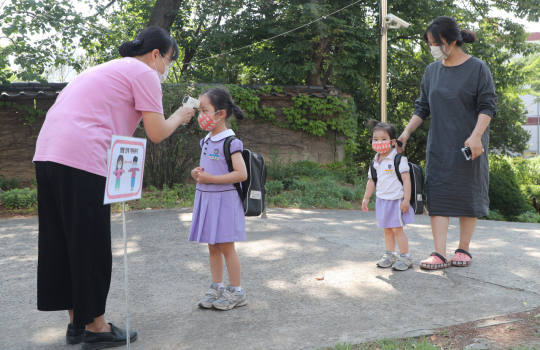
162 77
439 53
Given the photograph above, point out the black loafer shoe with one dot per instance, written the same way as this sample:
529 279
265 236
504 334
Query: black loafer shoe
74 335
93 341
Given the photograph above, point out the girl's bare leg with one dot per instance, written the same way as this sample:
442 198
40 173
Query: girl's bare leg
402 240
233 263
389 240
216 263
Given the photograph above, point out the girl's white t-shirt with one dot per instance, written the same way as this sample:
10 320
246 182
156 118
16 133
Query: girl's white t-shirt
388 185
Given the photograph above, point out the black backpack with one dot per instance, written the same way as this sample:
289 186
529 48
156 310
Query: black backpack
417 183
253 190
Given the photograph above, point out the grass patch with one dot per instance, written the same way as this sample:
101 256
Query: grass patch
389 344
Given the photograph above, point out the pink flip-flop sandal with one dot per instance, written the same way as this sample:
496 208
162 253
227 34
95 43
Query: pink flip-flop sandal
462 258
435 262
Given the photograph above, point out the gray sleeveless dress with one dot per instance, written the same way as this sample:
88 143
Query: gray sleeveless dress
454 97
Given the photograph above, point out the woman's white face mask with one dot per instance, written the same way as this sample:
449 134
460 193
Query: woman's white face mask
163 77
439 53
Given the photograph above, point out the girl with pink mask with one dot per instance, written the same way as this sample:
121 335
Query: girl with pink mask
218 212
393 199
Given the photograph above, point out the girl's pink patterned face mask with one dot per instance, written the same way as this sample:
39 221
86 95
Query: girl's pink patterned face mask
206 122
381 146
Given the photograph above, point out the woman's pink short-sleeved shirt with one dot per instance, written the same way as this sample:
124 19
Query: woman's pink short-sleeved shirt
103 100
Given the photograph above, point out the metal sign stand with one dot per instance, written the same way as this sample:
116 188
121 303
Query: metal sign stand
128 335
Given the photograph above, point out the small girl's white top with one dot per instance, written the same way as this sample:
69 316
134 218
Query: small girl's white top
388 185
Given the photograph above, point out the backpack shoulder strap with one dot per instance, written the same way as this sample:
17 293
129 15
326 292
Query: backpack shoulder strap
228 159
373 172
227 151
397 161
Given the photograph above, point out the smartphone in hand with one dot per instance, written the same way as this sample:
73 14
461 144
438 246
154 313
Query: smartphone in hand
468 153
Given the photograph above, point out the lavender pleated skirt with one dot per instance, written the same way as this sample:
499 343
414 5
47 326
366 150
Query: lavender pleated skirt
218 217
389 215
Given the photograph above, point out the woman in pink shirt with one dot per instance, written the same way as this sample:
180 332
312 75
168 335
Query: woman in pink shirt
74 250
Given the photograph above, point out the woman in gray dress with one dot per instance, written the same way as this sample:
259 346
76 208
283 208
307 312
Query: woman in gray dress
458 92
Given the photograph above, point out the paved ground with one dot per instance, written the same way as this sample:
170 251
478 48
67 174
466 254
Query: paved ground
282 259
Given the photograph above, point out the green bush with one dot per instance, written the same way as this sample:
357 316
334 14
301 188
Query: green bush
19 198
321 193
530 191
502 164
274 187
494 215
527 170
286 170
505 195
529 216
6 185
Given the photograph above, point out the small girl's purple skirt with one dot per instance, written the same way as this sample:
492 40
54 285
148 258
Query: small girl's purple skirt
389 215
218 217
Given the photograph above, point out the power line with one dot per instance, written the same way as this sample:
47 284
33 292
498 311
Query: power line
265 40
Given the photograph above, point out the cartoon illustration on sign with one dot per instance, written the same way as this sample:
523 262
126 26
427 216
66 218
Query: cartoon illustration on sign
133 172
125 158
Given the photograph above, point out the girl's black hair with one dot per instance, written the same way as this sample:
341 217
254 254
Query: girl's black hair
120 159
147 41
387 127
445 27
221 99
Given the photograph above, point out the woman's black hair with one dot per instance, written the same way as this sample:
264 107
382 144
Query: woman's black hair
221 99
447 28
147 41
120 159
387 127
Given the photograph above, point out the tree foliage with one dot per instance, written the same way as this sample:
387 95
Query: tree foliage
341 49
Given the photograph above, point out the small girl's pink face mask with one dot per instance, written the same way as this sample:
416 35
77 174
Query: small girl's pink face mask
206 122
382 146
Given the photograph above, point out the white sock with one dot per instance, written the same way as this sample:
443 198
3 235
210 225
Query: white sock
407 255
220 285
237 289
393 253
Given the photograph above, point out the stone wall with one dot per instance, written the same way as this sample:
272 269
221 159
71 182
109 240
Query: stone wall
18 138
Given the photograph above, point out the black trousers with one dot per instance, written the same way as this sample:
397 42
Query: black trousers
74 250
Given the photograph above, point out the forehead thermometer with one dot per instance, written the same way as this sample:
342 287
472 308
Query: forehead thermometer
191 102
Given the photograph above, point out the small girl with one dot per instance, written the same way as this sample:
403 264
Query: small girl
392 208
218 213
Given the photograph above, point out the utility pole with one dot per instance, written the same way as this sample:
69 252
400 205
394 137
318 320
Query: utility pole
384 68
387 22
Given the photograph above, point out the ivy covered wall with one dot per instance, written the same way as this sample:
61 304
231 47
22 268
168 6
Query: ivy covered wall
296 122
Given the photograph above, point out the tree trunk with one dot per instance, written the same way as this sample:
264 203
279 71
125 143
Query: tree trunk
314 76
164 13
